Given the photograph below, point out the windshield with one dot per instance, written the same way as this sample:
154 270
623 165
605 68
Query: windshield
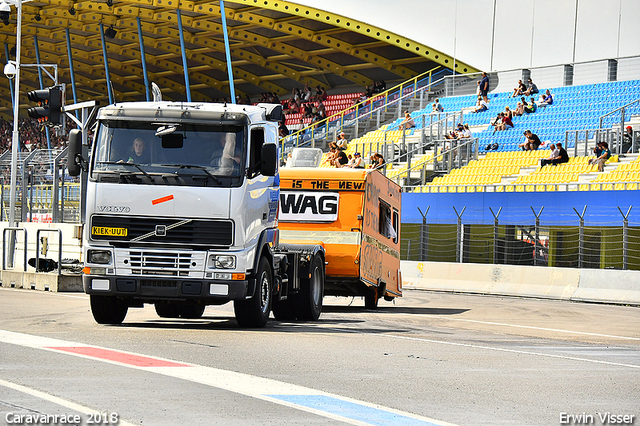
152 152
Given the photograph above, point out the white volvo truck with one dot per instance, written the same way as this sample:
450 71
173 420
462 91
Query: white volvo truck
181 212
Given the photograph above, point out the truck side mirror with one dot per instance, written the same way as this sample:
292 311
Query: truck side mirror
269 156
75 151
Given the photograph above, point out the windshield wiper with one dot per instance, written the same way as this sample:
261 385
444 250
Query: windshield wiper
122 163
191 166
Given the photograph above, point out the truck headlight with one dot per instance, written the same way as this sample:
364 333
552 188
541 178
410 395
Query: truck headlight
222 261
101 257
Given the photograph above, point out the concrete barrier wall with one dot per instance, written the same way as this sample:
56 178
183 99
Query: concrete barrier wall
610 286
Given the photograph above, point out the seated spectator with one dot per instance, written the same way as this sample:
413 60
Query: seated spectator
519 109
604 156
508 112
546 99
308 111
505 124
481 105
282 129
340 159
597 151
377 161
519 90
532 89
333 153
437 106
532 143
530 107
627 140
407 123
358 162
342 141
555 153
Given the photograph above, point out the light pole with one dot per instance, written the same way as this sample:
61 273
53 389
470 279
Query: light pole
15 142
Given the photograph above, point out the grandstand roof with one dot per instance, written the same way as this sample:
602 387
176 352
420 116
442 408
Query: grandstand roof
275 46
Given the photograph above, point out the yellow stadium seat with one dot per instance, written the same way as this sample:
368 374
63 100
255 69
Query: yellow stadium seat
607 187
583 187
551 187
619 186
540 188
500 188
520 188
509 188
632 186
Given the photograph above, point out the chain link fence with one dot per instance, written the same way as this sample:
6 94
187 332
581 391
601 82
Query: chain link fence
545 236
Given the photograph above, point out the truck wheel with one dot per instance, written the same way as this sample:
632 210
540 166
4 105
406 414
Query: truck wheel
283 309
371 298
254 312
308 304
108 309
167 310
191 310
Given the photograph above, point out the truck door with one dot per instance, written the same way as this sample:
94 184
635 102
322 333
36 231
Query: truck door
380 252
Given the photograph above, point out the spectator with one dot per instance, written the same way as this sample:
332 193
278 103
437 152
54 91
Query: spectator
437 106
466 134
341 158
597 151
532 89
519 90
342 141
504 124
282 129
530 107
483 86
308 110
558 155
546 99
407 123
519 109
379 87
322 111
377 161
605 154
481 105
627 140
358 162
306 93
532 143
508 112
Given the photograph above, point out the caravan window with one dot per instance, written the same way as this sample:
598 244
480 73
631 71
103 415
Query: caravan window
388 224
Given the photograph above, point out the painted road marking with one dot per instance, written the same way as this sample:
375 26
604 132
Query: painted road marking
56 400
314 401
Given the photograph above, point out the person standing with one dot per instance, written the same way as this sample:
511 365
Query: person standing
484 86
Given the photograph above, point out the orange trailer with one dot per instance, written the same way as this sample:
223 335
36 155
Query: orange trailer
355 215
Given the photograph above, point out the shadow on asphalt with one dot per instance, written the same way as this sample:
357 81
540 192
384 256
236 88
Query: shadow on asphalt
392 310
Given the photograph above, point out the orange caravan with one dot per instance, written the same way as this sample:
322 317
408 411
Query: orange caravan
355 215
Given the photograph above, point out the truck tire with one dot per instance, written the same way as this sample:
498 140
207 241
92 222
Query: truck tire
283 309
254 312
108 309
191 310
308 303
371 298
166 310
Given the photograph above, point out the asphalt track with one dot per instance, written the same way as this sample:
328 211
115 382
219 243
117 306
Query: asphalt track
429 359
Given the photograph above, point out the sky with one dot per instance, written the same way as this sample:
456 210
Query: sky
527 33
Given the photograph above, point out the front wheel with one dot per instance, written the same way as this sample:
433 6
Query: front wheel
309 301
254 312
371 298
108 309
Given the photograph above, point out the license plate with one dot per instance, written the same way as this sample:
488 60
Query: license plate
110 232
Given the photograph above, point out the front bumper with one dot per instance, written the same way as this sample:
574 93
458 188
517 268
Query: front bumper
166 288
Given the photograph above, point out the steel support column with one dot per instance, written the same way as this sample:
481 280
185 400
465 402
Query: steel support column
71 71
227 52
143 59
106 63
185 67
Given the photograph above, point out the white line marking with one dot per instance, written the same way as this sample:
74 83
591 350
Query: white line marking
557 330
467 345
54 399
244 384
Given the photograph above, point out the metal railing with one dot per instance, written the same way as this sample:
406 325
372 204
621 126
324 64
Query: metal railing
366 109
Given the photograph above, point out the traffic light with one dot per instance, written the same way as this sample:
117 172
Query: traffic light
49 107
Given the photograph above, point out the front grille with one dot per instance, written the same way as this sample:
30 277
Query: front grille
166 231
160 263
